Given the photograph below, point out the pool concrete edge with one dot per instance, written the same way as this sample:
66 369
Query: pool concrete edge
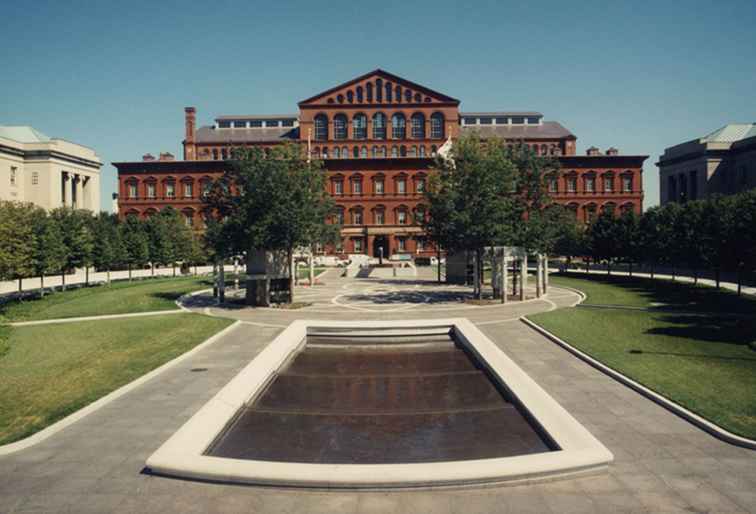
182 455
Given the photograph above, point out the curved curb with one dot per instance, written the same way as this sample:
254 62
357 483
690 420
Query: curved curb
679 410
59 425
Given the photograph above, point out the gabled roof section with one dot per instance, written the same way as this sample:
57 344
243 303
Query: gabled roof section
434 96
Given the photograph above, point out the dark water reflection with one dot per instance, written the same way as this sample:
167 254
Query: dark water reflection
408 404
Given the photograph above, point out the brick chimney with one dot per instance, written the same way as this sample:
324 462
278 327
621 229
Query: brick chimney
148 157
167 156
593 151
612 151
190 116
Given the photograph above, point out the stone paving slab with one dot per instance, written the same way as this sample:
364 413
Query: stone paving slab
662 463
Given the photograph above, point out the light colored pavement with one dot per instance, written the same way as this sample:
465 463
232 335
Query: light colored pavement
662 463
30 284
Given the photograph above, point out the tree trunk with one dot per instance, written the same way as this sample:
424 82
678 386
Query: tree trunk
63 278
108 275
695 276
673 274
20 285
290 256
652 271
608 267
173 264
195 269
740 280
129 272
630 264
312 270
86 276
438 259
716 277
42 285
152 269
221 283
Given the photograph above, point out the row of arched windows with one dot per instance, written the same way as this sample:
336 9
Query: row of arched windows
378 92
167 188
588 212
191 215
378 215
375 152
340 126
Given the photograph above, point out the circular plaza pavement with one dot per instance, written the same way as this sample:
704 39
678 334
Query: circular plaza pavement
663 464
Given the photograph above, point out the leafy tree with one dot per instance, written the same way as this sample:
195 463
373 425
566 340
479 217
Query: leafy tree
75 226
109 250
159 241
629 248
135 242
275 202
17 244
179 237
472 199
51 252
603 236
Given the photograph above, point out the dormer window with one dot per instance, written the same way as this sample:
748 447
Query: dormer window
518 120
486 120
224 124
533 121
470 121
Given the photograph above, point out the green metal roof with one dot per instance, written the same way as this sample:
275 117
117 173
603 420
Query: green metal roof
23 134
731 133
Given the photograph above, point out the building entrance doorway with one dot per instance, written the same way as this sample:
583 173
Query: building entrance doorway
381 248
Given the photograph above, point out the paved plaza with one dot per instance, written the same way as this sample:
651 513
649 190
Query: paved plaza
662 463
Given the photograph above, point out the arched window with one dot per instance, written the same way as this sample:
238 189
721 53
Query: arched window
379 90
379 126
344 152
379 215
369 91
403 151
363 152
338 216
433 150
544 150
316 152
359 126
215 154
382 151
398 126
394 151
389 92
413 151
325 153
374 152
224 154
418 126
437 125
340 99
350 96
422 151
418 97
336 153
407 95
359 95
357 216
340 126
321 127
356 152
398 93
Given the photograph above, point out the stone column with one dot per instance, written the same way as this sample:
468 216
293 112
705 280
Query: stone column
74 199
523 276
538 276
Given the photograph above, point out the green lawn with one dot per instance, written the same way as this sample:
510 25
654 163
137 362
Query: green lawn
659 294
702 362
117 298
50 371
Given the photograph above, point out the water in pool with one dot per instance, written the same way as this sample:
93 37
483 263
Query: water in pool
379 404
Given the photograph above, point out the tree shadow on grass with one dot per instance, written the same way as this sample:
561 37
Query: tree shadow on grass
676 296
708 329
693 355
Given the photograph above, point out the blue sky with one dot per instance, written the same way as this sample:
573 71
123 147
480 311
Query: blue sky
116 76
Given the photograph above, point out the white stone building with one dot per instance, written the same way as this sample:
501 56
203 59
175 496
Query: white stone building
723 162
49 172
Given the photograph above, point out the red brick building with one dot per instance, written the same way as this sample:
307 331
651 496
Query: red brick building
377 135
